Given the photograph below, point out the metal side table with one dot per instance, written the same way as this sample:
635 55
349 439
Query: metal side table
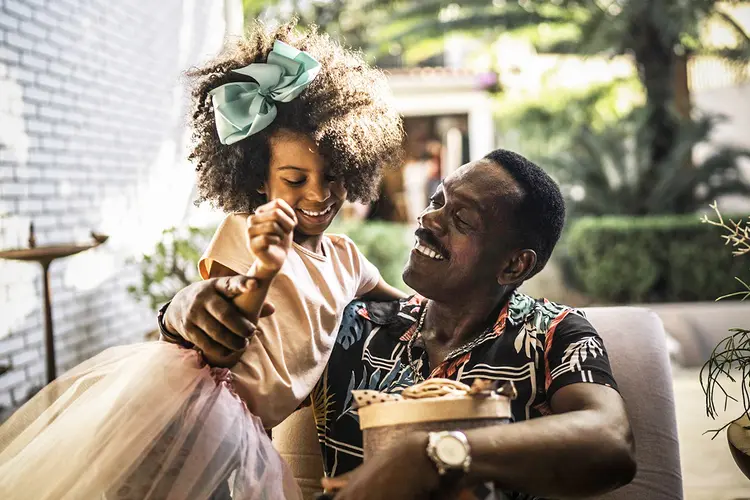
45 255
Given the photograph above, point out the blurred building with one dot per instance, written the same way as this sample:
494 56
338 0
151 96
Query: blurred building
448 122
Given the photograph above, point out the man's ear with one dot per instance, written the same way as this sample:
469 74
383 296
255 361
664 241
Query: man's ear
262 189
518 268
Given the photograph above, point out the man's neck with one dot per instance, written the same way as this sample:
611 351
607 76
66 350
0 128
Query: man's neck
450 325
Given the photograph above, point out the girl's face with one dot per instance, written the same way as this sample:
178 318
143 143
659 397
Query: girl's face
297 174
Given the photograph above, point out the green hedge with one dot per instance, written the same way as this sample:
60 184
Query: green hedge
649 259
385 244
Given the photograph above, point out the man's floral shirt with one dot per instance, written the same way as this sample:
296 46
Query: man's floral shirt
539 345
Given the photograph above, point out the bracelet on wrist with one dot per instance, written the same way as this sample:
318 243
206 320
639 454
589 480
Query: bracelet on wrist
166 334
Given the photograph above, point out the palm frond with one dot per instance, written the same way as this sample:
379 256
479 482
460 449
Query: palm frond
597 33
619 177
737 53
515 19
425 8
737 28
727 188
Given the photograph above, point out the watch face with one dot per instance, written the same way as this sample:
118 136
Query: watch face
451 451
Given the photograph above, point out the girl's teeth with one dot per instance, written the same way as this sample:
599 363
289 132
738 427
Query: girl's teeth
316 214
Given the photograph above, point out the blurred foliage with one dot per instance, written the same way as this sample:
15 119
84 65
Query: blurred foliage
647 259
172 266
385 244
583 27
660 36
568 124
541 125
174 262
345 20
612 173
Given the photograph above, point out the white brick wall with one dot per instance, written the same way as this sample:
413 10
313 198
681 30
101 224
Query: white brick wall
91 137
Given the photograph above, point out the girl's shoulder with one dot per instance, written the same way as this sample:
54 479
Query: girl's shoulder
340 241
234 220
343 245
237 216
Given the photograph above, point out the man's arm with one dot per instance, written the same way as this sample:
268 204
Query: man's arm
202 319
168 333
585 448
205 316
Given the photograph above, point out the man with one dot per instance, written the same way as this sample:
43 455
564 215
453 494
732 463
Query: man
490 226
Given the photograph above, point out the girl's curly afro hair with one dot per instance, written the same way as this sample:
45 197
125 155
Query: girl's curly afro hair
346 110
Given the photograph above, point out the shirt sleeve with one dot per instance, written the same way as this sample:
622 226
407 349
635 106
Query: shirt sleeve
369 276
229 247
574 353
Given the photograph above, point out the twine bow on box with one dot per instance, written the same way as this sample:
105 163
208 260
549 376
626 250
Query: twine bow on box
438 388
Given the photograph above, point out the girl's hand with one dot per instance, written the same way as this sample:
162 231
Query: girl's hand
270 231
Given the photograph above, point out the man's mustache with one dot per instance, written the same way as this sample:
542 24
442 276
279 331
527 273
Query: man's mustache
430 239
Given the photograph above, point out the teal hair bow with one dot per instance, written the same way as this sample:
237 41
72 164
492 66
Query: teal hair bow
242 109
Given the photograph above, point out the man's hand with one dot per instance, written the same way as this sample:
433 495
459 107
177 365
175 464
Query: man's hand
270 235
401 472
203 314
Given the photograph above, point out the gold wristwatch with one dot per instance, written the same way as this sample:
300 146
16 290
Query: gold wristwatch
449 451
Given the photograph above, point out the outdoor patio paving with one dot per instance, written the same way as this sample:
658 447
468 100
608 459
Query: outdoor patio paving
708 470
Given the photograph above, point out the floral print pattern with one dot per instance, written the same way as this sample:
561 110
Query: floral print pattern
539 345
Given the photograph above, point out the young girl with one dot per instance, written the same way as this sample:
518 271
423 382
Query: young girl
287 117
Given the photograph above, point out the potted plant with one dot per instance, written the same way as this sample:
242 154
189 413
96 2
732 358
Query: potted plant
730 360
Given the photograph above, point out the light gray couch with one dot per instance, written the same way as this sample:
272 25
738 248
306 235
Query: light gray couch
636 343
637 347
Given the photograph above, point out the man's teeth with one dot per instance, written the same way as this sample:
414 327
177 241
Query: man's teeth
316 214
428 252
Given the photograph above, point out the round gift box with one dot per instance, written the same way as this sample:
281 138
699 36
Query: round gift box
384 424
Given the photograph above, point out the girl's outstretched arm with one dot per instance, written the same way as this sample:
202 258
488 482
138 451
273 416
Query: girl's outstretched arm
384 291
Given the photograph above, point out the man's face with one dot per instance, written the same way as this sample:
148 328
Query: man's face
466 233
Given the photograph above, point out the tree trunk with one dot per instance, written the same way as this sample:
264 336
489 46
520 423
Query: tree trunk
656 62
682 97
684 108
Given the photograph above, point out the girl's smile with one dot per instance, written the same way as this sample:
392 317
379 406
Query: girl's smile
319 217
298 174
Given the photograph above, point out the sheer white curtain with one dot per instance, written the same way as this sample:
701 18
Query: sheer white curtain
166 188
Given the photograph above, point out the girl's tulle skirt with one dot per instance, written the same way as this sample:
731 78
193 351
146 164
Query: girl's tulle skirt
145 421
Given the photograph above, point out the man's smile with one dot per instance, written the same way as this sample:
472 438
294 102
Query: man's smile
426 250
